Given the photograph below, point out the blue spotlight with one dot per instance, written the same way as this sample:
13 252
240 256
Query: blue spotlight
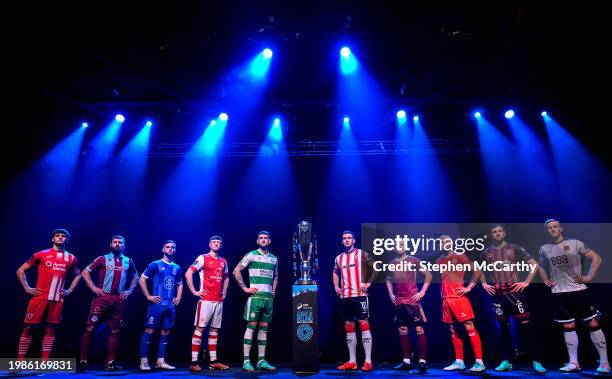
213 122
477 115
401 114
415 118
84 125
276 132
544 114
223 117
346 120
260 65
120 118
509 114
149 123
348 62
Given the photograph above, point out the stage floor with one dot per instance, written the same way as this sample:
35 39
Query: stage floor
327 371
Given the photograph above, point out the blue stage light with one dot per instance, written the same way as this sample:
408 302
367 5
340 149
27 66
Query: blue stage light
223 117
149 123
84 125
213 122
276 121
401 115
346 120
509 114
345 52
477 115
544 113
120 118
267 53
415 118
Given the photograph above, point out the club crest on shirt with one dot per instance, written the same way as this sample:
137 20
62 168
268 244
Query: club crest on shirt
169 283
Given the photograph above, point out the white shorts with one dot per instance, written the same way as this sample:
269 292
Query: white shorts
208 312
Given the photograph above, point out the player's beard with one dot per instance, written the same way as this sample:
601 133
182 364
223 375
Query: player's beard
168 256
60 246
117 250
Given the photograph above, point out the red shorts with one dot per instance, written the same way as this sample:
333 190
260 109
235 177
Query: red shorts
456 309
108 308
39 306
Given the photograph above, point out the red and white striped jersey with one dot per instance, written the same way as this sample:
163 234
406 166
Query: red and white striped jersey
350 268
52 269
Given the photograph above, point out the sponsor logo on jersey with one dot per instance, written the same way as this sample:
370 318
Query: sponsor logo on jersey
266 273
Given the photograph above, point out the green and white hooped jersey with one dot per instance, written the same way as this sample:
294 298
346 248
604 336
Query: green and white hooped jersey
262 269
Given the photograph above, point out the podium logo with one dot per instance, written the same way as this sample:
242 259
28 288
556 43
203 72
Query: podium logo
304 317
305 332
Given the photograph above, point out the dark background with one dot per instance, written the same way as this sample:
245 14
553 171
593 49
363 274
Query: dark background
71 62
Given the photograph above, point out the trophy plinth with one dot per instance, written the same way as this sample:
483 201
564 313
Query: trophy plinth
305 302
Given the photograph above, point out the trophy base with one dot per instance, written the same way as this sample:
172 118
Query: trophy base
302 282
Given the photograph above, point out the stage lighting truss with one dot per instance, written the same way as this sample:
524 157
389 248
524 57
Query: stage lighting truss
330 148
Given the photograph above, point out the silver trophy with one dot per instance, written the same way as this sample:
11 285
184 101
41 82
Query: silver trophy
305 255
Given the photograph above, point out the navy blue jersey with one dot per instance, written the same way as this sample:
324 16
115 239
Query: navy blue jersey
166 277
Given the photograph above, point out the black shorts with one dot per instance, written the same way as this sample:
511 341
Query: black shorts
409 314
354 308
510 304
570 306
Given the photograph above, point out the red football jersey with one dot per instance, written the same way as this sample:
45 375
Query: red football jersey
53 266
349 267
404 282
212 273
451 280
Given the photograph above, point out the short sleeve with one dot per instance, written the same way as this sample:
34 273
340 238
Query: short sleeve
542 253
179 275
581 248
523 254
246 260
336 267
132 269
198 264
34 259
151 270
96 264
